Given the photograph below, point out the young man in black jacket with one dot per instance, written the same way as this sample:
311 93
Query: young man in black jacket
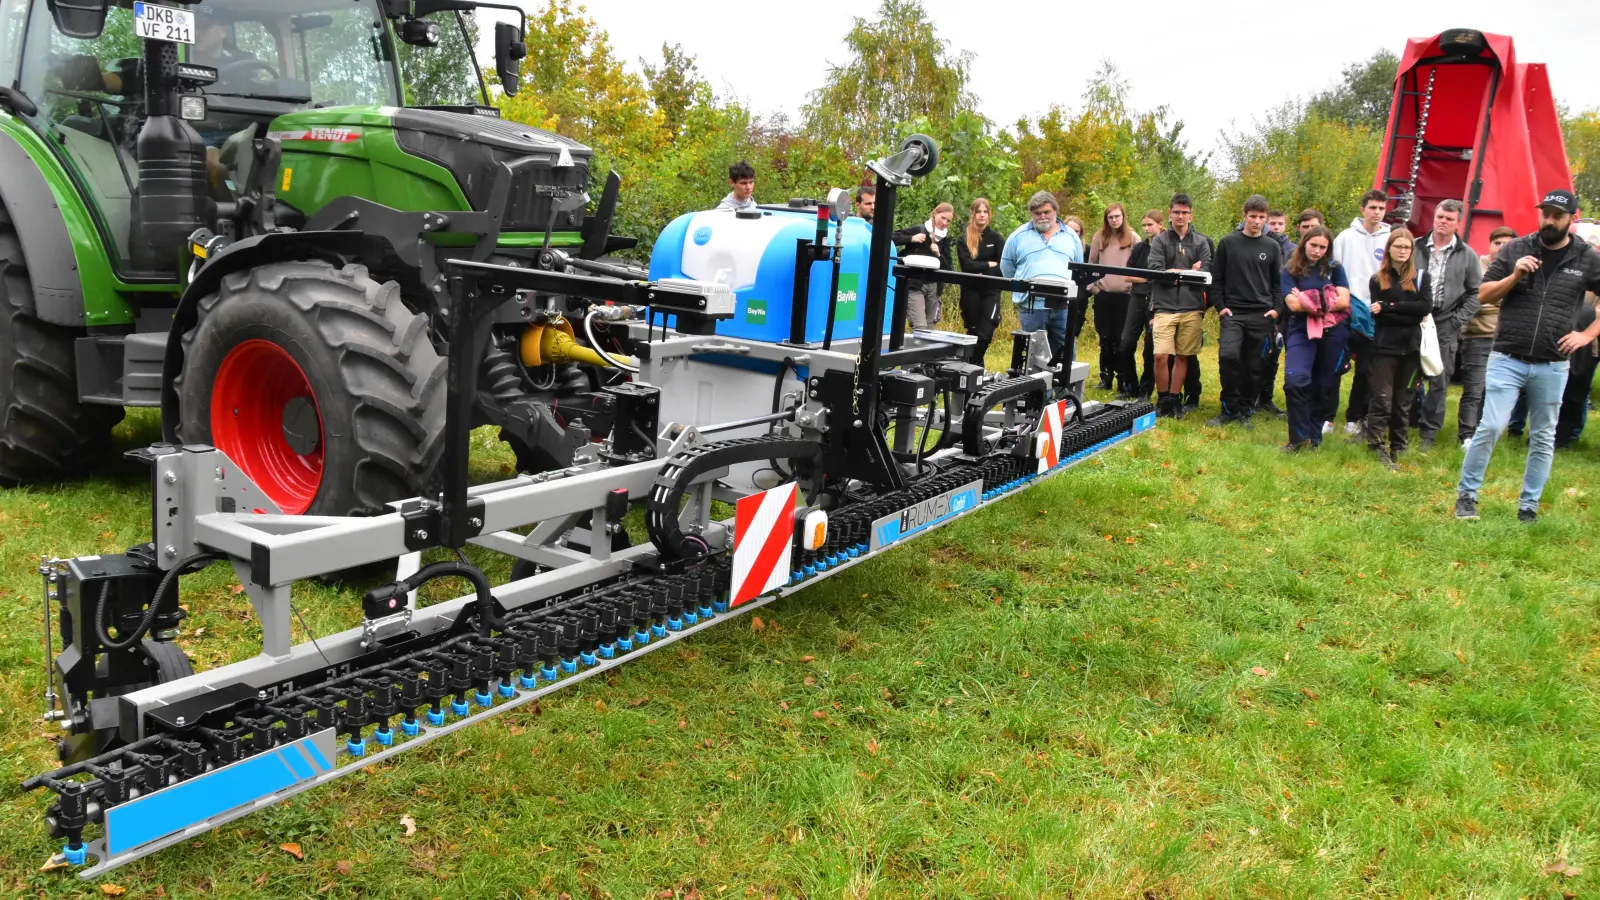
1244 275
1539 282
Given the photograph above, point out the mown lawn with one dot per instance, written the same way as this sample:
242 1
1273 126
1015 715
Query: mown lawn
1193 668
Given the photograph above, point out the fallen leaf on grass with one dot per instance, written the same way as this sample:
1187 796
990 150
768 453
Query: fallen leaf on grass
809 680
343 866
293 850
599 706
638 702
238 589
1257 670
52 864
261 880
872 746
807 658
783 705
409 824
756 624
113 890
1563 868
516 730
1310 694
819 714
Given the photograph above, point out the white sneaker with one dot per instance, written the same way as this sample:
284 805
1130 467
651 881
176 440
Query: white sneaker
1327 428
1352 428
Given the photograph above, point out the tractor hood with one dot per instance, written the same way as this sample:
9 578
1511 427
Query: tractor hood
470 147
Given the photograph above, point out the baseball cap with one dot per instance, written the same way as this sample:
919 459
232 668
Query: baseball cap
1563 200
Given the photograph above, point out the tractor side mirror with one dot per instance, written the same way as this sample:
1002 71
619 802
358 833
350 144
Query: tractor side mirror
509 50
81 19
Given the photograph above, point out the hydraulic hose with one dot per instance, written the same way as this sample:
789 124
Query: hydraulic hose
169 580
487 618
588 329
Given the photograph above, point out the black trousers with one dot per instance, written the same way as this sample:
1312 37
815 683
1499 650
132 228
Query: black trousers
1135 323
1241 349
1110 313
1269 367
980 313
1356 408
1391 385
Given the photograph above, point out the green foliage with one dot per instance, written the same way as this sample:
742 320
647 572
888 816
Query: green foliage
900 70
1363 94
1108 153
442 75
1298 159
1582 134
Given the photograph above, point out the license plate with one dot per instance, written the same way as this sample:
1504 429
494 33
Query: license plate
163 23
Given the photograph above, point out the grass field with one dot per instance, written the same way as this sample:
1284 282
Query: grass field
1195 667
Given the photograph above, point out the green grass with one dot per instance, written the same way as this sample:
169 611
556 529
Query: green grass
1195 667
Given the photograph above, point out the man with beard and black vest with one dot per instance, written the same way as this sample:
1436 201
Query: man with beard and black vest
1539 282
1244 275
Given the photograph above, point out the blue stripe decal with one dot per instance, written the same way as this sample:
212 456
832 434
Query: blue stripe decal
316 756
297 762
1144 423
188 803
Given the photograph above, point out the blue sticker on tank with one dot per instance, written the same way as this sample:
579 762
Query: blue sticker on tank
702 235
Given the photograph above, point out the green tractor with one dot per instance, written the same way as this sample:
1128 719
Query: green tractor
229 210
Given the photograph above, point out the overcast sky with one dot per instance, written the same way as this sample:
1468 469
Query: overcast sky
1213 63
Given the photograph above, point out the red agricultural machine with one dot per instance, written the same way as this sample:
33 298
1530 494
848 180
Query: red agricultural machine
1469 122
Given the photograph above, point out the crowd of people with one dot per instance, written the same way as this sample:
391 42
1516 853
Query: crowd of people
1400 313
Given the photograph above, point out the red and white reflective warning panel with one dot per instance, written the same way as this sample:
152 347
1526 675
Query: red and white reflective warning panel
763 543
1050 427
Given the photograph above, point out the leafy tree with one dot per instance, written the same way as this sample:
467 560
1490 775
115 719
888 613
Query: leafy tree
1296 158
673 85
442 75
1582 134
899 70
1363 94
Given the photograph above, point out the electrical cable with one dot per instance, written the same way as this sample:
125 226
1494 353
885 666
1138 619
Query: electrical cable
588 330
169 580
487 618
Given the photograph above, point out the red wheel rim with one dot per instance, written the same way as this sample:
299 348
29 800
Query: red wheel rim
255 383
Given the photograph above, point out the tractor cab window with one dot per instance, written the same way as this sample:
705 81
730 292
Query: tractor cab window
87 92
445 75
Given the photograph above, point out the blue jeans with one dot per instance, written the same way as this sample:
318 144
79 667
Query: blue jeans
1507 378
1053 322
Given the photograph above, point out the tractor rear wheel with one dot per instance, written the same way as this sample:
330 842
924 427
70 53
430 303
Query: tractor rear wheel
319 383
45 432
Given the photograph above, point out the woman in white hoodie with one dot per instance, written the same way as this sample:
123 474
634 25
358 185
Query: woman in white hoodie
1359 251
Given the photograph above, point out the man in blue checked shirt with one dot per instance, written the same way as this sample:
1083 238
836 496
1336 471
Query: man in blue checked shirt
1039 250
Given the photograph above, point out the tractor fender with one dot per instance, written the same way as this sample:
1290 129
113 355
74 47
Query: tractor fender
46 244
338 247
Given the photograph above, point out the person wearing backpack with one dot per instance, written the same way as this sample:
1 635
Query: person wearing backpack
1400 298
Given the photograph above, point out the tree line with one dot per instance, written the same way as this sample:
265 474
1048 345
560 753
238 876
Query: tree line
671 136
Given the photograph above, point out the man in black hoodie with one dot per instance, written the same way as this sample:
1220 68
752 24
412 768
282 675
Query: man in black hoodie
1539 281
1244 275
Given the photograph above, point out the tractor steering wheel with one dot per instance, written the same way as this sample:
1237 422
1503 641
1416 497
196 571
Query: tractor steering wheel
234 70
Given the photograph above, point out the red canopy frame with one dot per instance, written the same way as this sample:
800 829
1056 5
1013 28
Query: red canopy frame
1468 122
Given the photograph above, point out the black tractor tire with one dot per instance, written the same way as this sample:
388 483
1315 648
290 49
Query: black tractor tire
46 434
374 380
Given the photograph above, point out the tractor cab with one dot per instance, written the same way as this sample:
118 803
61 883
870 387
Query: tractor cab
243 64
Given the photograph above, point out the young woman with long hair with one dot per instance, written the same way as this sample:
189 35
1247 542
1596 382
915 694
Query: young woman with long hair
1113 245
978 252
1316 334
931 238
1401 299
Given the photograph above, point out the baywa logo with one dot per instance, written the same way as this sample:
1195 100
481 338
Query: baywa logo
847 297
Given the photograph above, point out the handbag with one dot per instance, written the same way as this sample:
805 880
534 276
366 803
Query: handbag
1432 358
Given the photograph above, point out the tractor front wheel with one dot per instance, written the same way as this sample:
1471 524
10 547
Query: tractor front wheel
319 383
